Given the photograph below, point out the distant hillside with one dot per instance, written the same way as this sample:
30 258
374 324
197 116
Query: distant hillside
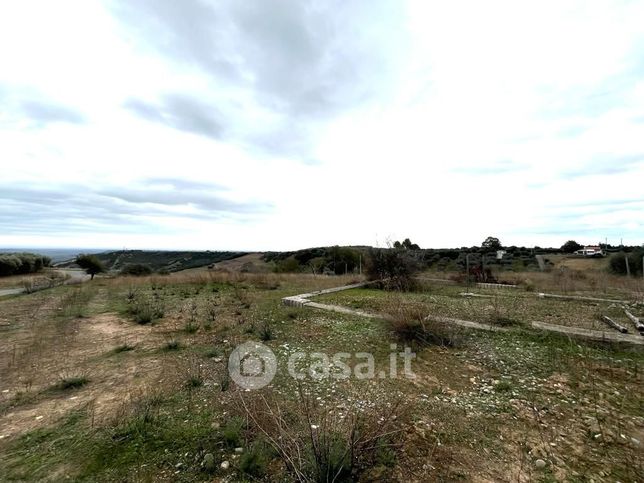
57 255
163 260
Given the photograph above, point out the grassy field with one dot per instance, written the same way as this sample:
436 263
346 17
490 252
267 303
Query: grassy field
126 379
492 306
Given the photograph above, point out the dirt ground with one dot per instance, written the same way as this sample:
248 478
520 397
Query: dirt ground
91 389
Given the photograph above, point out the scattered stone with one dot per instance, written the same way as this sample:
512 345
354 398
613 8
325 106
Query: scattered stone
239 450
225 465
540 464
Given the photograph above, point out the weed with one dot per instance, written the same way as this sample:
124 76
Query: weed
71 382
266 332
123 348
232 431
318 445
172 345
194 382
213 352
255 460
502 386
410 323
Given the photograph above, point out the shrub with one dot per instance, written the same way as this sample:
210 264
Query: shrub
232 431
411 323
136 269
71 382
144 310
172 345
394 267
317 444
266 332
255 460
22 263
617 262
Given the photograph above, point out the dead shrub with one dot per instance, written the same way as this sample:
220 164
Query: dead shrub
410 322
319 444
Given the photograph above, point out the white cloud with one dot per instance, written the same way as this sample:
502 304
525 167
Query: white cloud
442 121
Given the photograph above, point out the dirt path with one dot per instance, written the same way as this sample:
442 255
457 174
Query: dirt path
75 276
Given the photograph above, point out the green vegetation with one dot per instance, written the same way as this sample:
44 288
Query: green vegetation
22 263
483 406
328 260
136 269
91 264
571 246
162 261
618 262
396 267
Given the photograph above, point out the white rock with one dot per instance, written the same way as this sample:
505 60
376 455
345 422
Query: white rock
225 465
540 464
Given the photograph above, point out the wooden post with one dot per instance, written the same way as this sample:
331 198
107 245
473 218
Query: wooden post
610 322
467 269
636 321
628 268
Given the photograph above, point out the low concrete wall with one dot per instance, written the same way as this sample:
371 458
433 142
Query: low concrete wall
302 300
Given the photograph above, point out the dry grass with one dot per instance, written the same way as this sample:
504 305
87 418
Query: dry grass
152 414
322 444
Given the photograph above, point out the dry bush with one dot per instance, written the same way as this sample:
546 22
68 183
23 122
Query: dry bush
410 322
394 268
319 444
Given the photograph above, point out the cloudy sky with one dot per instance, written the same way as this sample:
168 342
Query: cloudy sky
281 124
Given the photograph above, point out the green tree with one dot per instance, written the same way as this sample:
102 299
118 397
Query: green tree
571 246
491 243
91 264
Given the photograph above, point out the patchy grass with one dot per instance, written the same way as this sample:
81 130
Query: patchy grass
485 408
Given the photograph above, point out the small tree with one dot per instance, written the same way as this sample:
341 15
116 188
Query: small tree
395 267
571 246
491 243
91 264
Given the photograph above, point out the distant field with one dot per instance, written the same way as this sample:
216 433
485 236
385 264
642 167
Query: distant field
171 261
250 262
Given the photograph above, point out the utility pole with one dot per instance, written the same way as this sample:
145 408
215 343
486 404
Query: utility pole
628 268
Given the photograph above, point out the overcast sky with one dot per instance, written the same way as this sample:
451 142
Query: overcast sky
282 124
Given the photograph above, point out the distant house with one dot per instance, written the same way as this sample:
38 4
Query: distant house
591 251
